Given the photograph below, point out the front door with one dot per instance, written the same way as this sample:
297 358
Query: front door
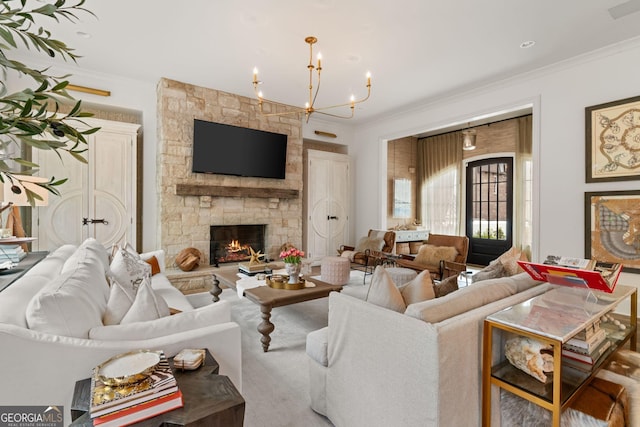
489 208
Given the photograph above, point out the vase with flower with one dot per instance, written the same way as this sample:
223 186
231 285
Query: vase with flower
292 258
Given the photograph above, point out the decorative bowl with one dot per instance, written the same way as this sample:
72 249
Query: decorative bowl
128 368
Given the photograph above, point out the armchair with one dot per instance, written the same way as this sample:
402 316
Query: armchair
441 254
367 253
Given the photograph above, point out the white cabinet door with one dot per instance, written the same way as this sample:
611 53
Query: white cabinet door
99 198
327 203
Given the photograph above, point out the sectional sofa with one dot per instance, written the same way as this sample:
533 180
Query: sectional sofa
52 330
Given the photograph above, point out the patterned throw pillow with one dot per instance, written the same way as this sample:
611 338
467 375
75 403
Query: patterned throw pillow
446 286
128 269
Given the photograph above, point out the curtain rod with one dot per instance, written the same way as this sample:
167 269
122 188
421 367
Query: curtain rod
477 126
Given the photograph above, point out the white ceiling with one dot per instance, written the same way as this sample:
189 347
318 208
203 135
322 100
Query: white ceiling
416 50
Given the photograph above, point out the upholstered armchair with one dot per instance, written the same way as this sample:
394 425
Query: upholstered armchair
441 254
367 253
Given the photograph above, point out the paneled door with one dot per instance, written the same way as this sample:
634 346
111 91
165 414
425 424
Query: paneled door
99 198
327 203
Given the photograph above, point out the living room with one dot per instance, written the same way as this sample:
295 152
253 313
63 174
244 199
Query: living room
556 93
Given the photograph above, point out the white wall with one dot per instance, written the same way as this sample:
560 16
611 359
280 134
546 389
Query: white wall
558 95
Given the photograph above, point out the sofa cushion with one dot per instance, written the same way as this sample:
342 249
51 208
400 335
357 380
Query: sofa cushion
494 270
147 305
120 301
89 246
185 321
509 261
432 255
418 289
470 297
155 266
384 293
70 304
90 257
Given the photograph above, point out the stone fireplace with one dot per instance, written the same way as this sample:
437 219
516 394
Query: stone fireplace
189 203
233 243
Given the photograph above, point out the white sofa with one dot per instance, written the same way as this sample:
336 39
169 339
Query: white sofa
372 366
43 354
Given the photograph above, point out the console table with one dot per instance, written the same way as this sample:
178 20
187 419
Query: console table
551 318
7 277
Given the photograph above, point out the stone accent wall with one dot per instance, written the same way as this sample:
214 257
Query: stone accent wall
185 220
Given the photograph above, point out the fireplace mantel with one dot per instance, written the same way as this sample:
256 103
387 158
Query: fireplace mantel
222 191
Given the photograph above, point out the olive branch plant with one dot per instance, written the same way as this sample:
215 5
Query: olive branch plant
32 117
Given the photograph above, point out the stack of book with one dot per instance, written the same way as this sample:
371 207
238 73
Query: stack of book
13 253
128 404
585 349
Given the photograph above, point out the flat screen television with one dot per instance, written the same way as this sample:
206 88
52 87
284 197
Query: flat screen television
231 150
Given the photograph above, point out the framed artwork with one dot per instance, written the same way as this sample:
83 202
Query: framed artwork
613 141
612 227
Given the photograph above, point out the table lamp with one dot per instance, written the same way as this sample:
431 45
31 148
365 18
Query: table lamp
11 199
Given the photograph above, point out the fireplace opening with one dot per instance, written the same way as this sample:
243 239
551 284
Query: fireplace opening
233 243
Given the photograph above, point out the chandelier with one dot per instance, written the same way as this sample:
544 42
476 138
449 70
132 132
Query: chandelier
310 107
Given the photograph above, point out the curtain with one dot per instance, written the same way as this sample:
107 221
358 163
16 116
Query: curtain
523 208
438 174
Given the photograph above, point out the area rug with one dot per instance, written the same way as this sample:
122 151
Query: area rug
275 385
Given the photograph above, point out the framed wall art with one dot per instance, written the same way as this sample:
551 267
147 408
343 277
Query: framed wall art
612 227
613 141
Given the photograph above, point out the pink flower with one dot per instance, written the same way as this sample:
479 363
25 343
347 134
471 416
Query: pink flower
292 255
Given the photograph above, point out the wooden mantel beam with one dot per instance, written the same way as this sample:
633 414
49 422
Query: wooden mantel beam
223 191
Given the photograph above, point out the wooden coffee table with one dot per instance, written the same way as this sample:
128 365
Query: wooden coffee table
268 298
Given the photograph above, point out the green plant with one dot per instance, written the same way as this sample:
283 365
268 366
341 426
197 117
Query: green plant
31 117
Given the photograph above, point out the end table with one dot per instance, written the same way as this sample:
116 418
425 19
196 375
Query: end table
209 399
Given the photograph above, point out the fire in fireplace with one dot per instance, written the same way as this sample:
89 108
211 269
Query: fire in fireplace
233 243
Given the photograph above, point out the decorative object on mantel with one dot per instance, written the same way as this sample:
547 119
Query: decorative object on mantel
188 259
310 108
292 258
530 356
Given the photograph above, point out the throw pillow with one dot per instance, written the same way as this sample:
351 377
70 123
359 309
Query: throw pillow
128 269
155 266
146 306
120 301
494 270
371 243
446 286
510 260
418 289
384 293
432 255
158 254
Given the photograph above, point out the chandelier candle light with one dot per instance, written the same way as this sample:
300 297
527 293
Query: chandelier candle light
309 107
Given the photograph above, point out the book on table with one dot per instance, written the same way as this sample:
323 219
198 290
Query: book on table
586 346
106 399
577 272
141 411
587 361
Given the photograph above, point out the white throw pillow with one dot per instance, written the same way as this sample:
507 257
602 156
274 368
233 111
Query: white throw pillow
128 269
418 289
186 321
383 291
120 301
68 305
147 305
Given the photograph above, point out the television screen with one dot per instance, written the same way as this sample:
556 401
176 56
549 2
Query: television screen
232 150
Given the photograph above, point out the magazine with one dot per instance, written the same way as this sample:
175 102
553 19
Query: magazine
602 276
